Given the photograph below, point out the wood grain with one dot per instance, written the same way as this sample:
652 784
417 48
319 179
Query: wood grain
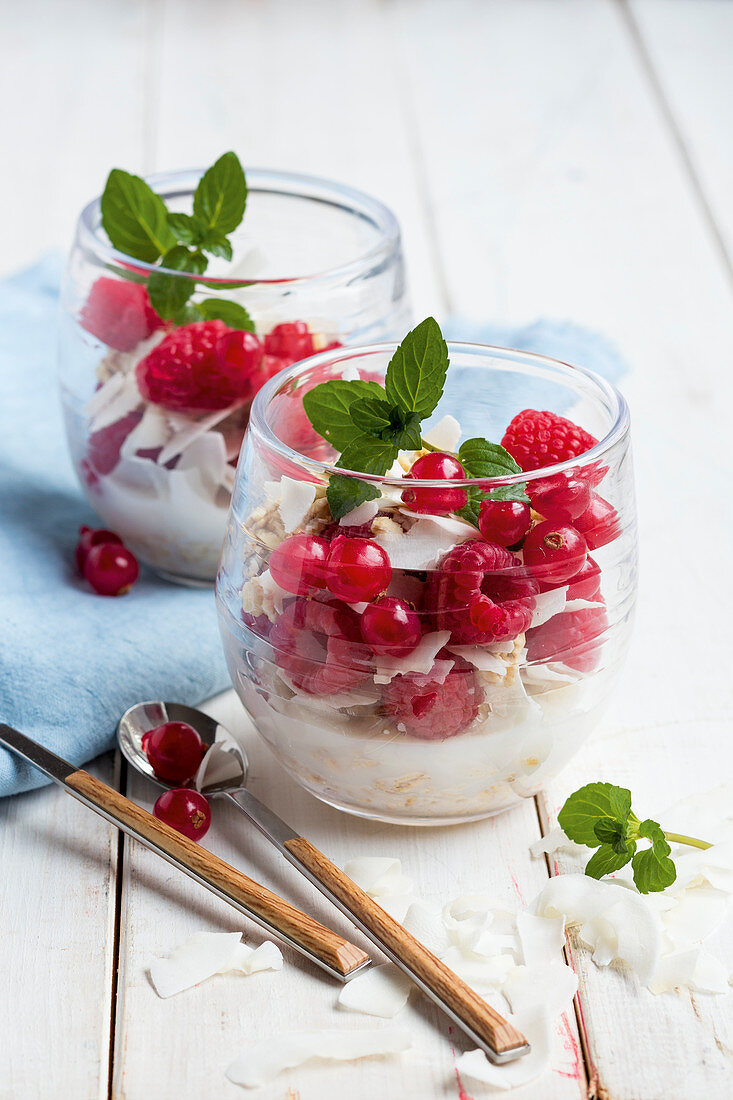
337 952
452 990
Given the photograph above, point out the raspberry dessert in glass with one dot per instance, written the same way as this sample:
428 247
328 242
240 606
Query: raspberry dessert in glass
182 297
428 580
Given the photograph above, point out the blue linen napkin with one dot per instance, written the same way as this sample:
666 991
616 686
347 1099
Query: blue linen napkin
72 662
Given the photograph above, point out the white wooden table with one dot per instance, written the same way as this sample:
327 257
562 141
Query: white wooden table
563 158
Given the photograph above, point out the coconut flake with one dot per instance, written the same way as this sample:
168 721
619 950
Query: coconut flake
421 660
445 434
200 957
582 605
381 991
534 1025
114 399
480 657
363 513
219 766
425 543
695 969
555 841
296 497
550 986
350 374
548 604
253 960
425 923
542 938
186 430
263 1061
151 432
379 876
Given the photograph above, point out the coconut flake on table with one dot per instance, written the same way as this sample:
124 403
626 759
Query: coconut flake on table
185 429
422 660
200 957
445 434
263 1061
253 960
535 1026
547 604
426 542
381 991
381 877
551 985
695 969
542 938
555 841
363 513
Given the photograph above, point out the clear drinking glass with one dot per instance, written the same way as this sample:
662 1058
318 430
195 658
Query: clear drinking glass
323 265
453 731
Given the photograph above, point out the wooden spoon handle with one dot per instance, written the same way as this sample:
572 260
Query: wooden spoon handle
304 933
433 976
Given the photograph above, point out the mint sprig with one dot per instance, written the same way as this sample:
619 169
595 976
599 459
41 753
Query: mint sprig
138 223
599 816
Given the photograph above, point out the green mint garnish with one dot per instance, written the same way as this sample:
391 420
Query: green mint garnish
416 373
599 816
328 407
137 222
480 458
346 493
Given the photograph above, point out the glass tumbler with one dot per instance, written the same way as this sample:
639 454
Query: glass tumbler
322 266
512 661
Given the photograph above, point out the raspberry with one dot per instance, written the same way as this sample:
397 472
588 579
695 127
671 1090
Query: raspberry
200 367
575 638
318 643
481 593
432 710
103 451
119 313
433 467
536 439
290 340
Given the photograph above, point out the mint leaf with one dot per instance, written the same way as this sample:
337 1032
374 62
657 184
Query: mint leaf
188 230
221 195
217 244
406 436
606 860
653 869
470 510
584 808
168 293
480 458
368 455
371 415
134 218
416 373
231 313
609 831
328 406
346 493
517 492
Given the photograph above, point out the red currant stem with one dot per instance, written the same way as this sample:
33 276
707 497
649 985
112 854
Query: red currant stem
678 838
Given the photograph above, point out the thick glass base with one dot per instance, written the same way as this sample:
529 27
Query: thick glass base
180 578
394 819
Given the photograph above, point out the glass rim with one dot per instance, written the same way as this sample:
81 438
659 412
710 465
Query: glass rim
268 180
618 406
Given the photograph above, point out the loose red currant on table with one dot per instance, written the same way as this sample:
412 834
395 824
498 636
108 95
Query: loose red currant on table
554 552
390 627
357 569
536 439
435 466
111 569
299 563
89 537
505 522
600 523
184 810
561 499
174 750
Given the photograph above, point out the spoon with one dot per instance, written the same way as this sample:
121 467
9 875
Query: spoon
224 774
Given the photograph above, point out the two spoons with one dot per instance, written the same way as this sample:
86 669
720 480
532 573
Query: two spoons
226 776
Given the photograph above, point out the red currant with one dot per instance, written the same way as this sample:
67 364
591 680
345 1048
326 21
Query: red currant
436 466
242 351
299 563
174 750
586 584
390 627
554 552
111 569
358 569
89 537
504 522
185 810
599 523
561 499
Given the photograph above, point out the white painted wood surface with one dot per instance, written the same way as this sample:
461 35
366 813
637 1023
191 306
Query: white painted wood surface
566 159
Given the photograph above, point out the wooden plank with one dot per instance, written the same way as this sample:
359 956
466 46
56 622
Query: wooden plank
162 908
57 951
72 84
570 189
688 46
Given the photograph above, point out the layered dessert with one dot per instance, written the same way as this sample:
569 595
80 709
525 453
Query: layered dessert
434 642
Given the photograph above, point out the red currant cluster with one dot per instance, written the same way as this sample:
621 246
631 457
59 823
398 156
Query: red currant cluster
104 562
175 752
